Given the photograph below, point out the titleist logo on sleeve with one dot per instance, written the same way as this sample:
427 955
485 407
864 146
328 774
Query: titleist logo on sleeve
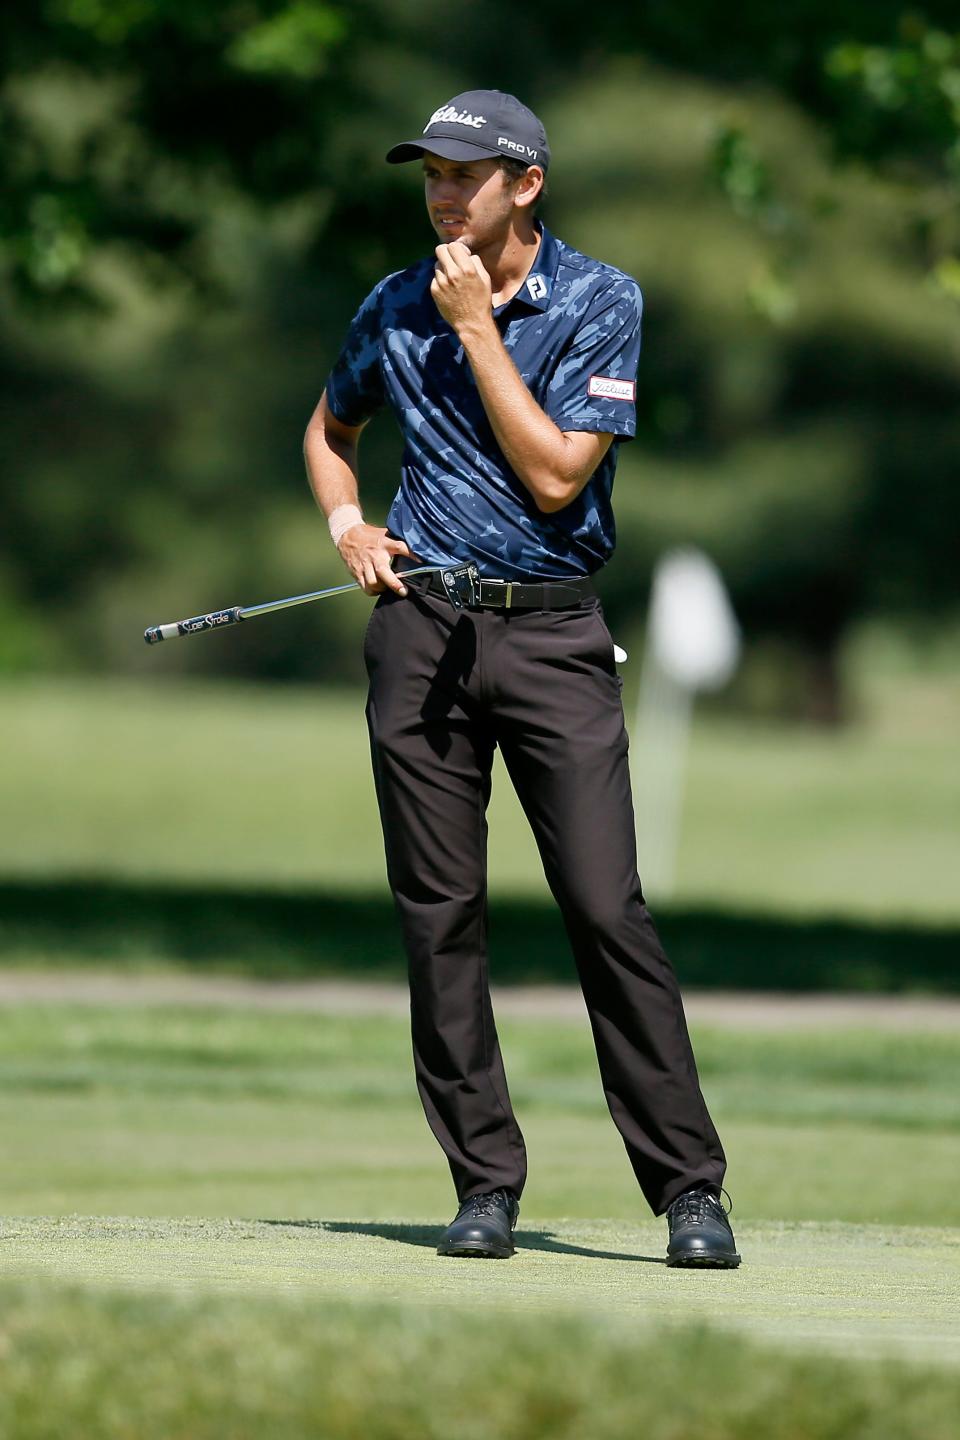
606 387
451 116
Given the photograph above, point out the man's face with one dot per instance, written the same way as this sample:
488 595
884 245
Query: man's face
468 200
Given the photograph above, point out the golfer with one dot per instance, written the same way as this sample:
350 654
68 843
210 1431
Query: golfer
509 360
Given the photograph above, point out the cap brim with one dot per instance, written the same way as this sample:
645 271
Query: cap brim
447 149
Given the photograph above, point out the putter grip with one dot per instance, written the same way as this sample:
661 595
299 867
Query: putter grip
213 621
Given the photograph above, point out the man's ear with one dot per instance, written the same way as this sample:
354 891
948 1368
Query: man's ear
529 186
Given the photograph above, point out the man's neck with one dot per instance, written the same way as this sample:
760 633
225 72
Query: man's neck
509 262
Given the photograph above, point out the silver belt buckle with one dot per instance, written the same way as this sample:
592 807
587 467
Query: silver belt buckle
505 585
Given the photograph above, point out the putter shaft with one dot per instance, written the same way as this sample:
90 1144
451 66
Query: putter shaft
216 619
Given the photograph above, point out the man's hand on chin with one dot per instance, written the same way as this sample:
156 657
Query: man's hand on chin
461 287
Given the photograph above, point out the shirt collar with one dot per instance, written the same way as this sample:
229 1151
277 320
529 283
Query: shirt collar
536 290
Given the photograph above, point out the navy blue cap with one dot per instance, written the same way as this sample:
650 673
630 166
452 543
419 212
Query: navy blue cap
479 125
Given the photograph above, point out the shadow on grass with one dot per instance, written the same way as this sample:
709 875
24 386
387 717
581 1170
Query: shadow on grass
428 1235
300 934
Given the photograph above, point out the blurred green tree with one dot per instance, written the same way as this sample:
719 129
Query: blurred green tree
194 201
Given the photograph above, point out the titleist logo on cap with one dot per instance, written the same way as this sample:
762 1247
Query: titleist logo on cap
451 116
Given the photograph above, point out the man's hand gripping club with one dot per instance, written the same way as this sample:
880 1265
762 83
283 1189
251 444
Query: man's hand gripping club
330 453
368 553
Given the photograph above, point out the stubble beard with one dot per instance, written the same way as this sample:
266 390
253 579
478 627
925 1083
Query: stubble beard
480 233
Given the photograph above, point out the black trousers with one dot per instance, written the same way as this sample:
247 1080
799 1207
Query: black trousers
447 688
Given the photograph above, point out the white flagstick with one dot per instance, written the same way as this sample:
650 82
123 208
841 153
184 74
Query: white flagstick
693 643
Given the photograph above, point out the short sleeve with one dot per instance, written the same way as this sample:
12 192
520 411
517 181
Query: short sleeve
595 384
355 384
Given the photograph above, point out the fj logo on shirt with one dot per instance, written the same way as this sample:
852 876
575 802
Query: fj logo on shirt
537 287
607 388
451 116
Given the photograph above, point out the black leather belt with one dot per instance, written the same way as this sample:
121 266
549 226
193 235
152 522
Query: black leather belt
518 594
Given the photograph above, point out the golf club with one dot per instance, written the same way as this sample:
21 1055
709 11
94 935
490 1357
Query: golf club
216 619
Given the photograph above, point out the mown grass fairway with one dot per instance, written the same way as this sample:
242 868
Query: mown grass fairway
299 1138
116 1109
168 781
219 1220
855 1289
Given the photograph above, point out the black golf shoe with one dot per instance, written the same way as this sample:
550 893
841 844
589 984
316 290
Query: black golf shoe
700 1233
483 1227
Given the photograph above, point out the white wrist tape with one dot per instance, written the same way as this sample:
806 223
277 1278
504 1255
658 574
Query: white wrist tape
343 519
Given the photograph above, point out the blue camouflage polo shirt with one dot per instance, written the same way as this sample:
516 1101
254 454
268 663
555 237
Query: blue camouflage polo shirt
573 332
